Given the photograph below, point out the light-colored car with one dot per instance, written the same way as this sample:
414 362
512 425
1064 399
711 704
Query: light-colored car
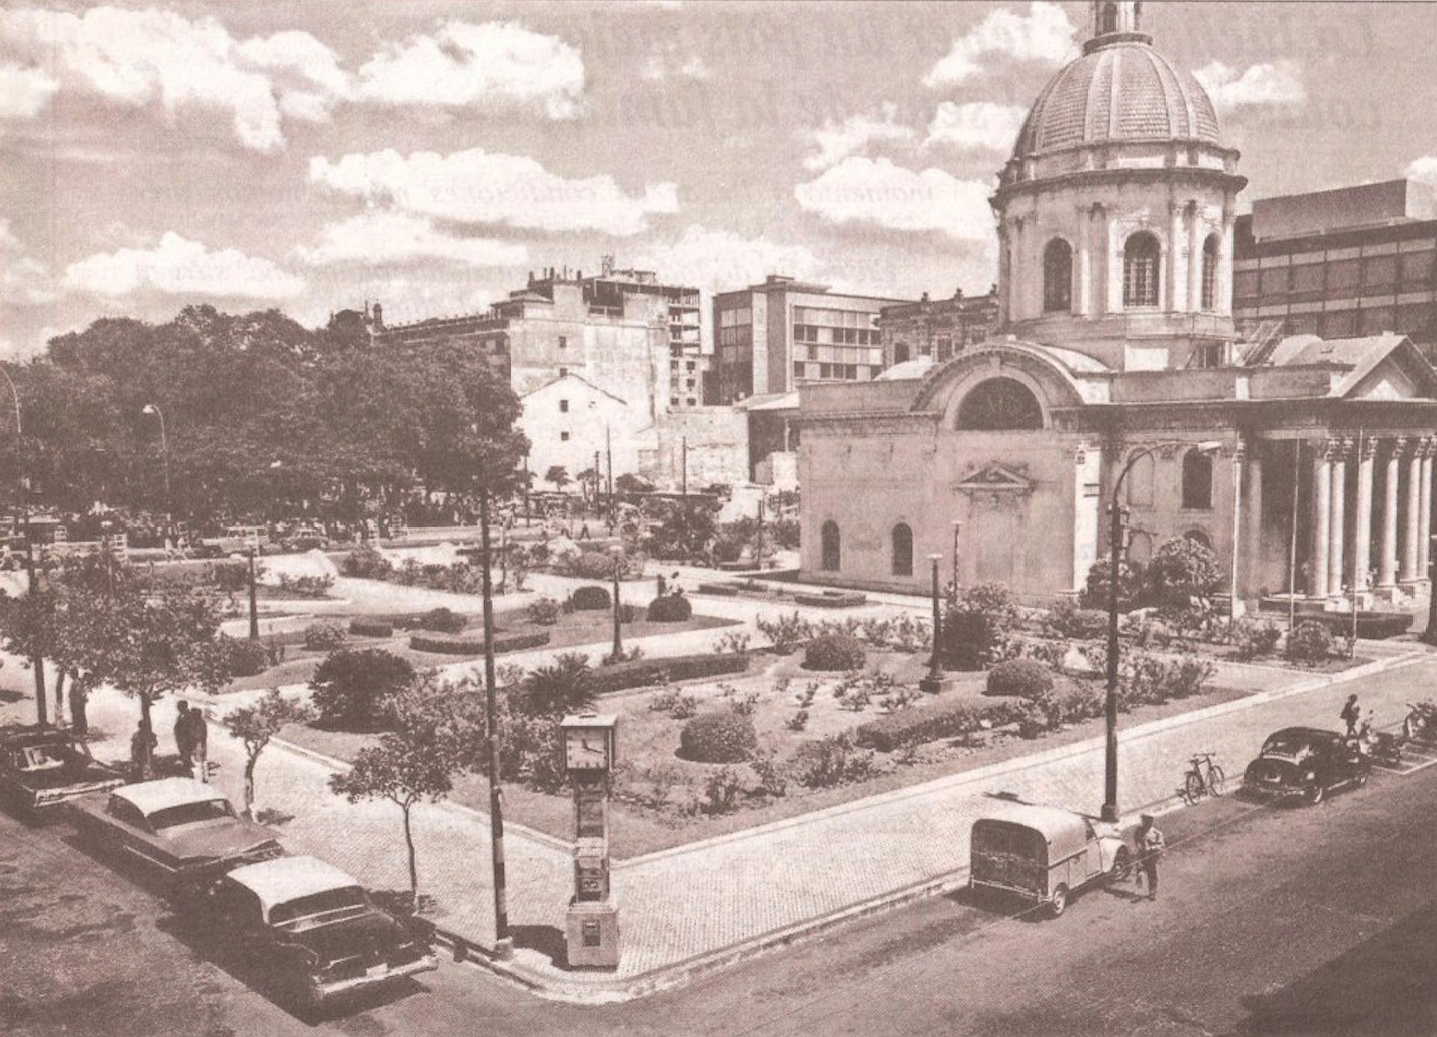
1045 854
42 768
312 929
180 832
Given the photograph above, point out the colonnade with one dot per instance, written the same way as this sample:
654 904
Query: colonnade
1402 517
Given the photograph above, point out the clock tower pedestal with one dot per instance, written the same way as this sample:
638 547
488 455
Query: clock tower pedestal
591 926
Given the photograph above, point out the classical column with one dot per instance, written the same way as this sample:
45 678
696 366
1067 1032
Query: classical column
1194 257
1224 263
1081 305
1113 266
1424 511
1100 261
1410 529
1017 305
1174 297
1362 527
1252 519
1337 530
1387 561
1321 520
1005 274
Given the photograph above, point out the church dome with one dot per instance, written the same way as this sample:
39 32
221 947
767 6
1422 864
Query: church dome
1120 91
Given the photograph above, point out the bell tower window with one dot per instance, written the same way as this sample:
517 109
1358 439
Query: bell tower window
1209 273
1057 276
1142 260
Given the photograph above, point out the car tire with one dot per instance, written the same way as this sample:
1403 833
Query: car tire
1059 901
1122 865
1316 794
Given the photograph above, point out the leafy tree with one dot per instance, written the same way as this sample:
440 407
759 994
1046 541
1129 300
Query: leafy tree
558 476
632 484
1182 568
354 688
255 725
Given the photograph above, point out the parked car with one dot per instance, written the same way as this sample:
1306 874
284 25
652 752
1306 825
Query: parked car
1044 855
312 929
305 538
234 540
41 768
1307 762
182 833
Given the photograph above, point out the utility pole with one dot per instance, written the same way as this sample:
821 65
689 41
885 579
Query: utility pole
1430 636
503 944
609 452
758 561
37 661
253 599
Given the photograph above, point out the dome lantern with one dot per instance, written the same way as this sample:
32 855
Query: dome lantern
1116 23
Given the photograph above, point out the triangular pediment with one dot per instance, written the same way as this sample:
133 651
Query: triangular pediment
996 478
1397 372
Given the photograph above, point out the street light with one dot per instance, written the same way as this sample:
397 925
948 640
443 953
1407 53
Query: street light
934 682
37 661
618 553
503 941
957 531
1115 543
153 410
1430 635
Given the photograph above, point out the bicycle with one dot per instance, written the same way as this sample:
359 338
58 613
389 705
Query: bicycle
1205 778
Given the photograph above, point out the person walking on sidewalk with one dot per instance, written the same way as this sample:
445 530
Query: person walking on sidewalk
1350 715
200 745
184 739
1150 848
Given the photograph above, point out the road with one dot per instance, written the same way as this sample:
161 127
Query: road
1273 920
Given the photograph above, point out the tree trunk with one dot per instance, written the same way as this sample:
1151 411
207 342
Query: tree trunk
60 694
147 732
413 866
249 785
79 722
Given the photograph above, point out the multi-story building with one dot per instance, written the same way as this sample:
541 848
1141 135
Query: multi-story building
781 333
1351 261
936 328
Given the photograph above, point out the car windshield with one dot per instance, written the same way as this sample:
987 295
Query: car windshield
1287 745
39 758
303 912
190 813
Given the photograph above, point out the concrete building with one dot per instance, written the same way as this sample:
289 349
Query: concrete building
770 337
1117 353
936 328
1352 261
569 421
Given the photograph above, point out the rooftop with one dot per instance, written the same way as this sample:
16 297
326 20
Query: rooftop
283 879
149 796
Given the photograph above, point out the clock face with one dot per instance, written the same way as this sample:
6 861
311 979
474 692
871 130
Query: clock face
586 751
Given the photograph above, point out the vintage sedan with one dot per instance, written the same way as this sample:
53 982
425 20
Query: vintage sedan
42 768
180 832
312 929
1307 762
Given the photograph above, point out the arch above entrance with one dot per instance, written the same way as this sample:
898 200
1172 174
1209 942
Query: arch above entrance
1017 365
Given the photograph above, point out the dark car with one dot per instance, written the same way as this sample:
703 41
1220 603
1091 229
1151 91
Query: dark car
41 768
311 929
1307 762
182 833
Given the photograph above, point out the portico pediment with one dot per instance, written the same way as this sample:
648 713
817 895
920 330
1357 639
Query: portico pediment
1399 372
996 478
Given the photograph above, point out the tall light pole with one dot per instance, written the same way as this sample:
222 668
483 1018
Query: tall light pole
618 553
154 410
1430 635
934 682
957 532
37 661
503 943
609 455
758 559
1115 561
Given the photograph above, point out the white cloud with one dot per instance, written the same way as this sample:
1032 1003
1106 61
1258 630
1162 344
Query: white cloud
696 68
835 141
379 238
496 64
716 260
978 125
24 280
876 191
136 58
1423 169
24 92
1044 35
1275 83
480 187
178 266
658 66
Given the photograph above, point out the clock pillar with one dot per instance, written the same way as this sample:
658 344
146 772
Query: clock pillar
592 923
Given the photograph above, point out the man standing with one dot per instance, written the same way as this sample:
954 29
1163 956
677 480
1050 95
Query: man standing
199 744
1150 848
184 739
1349 715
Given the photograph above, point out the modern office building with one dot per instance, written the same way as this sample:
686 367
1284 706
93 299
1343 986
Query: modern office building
936 328
1352 261
772 336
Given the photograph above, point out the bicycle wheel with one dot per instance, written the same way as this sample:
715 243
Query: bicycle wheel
1215 779
1193 784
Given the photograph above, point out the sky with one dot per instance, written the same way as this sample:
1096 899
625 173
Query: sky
313 154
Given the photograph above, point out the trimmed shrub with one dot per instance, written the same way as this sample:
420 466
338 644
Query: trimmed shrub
352 687
670 608
544 612
306 586
1254 638
832 599
441 644
325 636
1310 644
366 563
371 628
919 724
1094 594
834 652
443 621
723 737
975 630
721 590
1025 678
1066 619
1182 568
590 598
644 672
247 657
231 577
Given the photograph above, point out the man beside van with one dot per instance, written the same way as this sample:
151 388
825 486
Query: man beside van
1150 848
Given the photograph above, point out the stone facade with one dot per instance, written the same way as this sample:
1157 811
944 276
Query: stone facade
936 328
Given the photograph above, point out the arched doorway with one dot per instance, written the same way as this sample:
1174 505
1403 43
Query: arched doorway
831 549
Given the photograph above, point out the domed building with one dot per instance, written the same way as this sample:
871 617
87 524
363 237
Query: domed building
1116 364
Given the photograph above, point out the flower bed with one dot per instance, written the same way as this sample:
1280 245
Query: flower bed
919 724
832 599
640 673
449 645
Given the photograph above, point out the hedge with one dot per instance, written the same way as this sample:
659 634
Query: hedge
834 652
590 598
442 645
371 628
831 599
722 590
670 608
725 737
641 673
1027 678
919 724
443 621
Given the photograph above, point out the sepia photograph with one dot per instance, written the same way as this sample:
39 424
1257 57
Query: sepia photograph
718 518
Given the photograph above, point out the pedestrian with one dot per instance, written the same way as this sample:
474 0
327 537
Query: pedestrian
1350 715
143 744
199 745
1150 848
584 531
184 740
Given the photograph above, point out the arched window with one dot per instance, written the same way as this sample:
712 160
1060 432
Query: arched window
999 404
1057 276
1110 18
1142 258
1197 480
900 352
832 554
902 550
1209 273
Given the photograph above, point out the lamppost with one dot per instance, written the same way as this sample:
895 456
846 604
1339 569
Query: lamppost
1115 545
618 553
151 409
957 532
1430 635
758 559
935 681
37 661
503 943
